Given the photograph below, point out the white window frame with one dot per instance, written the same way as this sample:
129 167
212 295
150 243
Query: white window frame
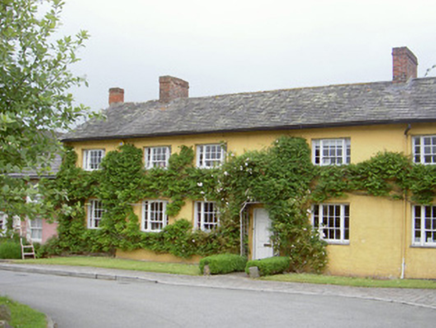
210 155
3 224
152 216
337 225
95 213
87 157
322 146
424 226
157 157
424 149
206 219
35 227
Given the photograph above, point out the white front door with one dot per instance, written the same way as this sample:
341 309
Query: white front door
262 245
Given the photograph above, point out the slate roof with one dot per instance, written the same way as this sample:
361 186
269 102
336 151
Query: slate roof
327 106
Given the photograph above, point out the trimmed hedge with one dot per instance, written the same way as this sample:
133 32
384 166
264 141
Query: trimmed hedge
223 263
270 265
10 250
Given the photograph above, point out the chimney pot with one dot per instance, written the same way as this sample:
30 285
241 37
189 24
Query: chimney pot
116 95
404 65
171 88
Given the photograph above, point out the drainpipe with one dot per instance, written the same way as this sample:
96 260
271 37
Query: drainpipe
404 228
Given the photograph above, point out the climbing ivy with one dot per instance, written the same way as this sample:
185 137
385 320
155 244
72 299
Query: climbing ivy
282 177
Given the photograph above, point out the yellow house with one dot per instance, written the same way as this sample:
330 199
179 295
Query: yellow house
343 124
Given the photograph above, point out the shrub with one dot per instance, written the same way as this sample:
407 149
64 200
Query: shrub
50 248
270 265
223 263
10 250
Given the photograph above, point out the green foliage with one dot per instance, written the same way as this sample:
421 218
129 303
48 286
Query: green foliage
23 316
270 265
223 263
10 250
35 100
281 177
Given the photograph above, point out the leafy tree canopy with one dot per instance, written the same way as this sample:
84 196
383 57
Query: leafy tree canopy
35 101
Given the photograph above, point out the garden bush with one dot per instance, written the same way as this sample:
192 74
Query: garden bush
10 250
223 263
270 265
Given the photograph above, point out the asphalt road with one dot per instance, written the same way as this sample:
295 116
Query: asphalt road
78 302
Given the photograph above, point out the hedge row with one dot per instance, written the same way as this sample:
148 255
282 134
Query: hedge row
226 263
269 266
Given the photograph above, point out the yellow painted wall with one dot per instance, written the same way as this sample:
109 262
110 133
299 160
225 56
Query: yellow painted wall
374 247
380 228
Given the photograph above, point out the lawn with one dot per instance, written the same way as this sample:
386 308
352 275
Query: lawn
193 270
352 281
112 263
24 316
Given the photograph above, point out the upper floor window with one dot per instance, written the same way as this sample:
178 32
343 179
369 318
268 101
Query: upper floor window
424 149
95 213
332 222
154 217
424 226
92 159
209 156
331 151
206 216
156 157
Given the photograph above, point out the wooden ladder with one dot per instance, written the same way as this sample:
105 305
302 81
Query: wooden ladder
26 250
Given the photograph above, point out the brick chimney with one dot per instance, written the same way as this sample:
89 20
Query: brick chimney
404 64
171 88
116 95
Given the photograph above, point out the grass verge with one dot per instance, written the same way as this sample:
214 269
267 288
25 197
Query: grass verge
112 263
24 316
352 281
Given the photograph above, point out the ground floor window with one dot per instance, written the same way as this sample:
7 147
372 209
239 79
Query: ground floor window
154 217
424 226
95 213
332 222
206 216
3 221
36 230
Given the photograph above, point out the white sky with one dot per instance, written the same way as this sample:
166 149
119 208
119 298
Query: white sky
232 46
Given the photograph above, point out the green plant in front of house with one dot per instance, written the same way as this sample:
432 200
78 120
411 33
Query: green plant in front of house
10 249
270 265
223 263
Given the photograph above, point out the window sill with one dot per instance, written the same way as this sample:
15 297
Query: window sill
337 243
423 246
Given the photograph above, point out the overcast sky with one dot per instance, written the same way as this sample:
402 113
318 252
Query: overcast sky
233 46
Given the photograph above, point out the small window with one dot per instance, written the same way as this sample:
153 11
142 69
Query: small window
36 229
424 149
3 222
332 222
206 216
95 213
209 156
154 217
156 157
331 151
92 159
424 226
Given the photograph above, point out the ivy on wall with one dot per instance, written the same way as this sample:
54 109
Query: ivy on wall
281 177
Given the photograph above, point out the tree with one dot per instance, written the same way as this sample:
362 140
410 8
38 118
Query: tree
34 94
